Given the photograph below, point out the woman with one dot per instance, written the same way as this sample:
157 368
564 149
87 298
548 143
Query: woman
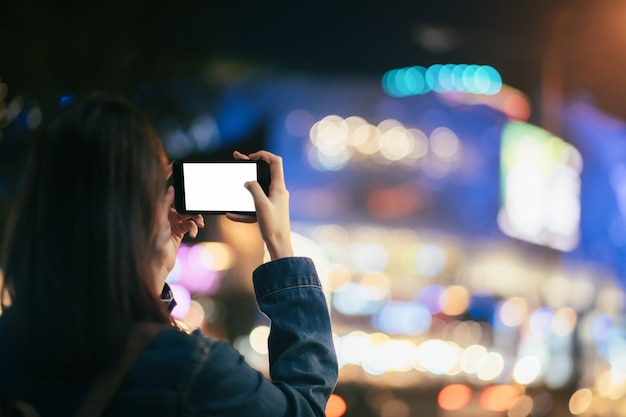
86 256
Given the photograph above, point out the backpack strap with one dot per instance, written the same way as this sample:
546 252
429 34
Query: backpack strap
106 383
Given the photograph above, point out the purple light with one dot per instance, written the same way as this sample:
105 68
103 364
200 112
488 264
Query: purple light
430 296
601 327
183 300
194 269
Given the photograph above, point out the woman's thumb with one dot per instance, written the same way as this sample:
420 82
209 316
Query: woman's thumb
255 189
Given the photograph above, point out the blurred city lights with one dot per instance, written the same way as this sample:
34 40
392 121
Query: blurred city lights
560 369
337 142
522 407
336 406
454 300
470 358
541 322
454 397
499 398
481 305
431 296
204 132
580 401
540 187
369 257
512 312
195 315
357 299
195 267
298 122
527 370
66 99
462 78
444 143
430 260
437 356
258 339
415 324
601 327
490 366
402 318
352 348
183 300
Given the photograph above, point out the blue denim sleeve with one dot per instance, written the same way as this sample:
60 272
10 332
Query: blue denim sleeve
303 364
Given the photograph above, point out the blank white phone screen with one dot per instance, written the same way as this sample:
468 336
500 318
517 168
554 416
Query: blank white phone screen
218 186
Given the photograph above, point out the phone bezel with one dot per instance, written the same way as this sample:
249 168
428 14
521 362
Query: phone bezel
263 177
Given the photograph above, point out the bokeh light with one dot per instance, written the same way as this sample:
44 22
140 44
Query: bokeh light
522 407
337 143
183 300
258 339
481 305
527 369
490 366
499 398
471 357
440 78
437 356
431 296
454 300
398 317
512 312
354 299
430 260
196 267
336 406
540 180
580 401
454 397
299 122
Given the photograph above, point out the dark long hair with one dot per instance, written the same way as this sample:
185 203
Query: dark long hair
81 241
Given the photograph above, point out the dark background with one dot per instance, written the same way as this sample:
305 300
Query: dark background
68 46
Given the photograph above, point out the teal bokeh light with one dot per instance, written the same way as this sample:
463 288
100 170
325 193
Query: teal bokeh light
439 78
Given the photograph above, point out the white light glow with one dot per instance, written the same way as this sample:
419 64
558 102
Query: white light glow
258 339
490 366
527 370
471 356
437 356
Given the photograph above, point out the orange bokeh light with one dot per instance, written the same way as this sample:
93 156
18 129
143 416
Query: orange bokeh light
336 406
516 107
454 397
499 398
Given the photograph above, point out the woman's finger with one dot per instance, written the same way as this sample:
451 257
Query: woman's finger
198 219
276 166
191 227
239 155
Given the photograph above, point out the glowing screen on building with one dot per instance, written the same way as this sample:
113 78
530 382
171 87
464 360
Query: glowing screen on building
540 187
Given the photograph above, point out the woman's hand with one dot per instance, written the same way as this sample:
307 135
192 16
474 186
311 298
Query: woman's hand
172 228
272 212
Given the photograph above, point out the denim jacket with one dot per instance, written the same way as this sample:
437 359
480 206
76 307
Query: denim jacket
182 374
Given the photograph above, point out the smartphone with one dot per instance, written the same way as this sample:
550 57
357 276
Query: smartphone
217 187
